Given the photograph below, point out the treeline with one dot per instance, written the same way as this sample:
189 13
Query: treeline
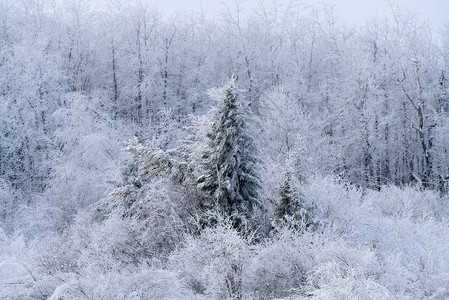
368 103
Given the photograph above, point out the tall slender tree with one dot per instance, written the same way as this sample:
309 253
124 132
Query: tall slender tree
231 177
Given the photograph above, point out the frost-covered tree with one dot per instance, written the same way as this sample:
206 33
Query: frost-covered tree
231 166
288 204
290 207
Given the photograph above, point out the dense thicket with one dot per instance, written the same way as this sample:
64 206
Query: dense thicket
361 113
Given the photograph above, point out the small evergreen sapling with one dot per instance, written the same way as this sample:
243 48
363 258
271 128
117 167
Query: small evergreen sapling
288 199
291 209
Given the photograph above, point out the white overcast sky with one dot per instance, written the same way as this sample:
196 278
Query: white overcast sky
351 12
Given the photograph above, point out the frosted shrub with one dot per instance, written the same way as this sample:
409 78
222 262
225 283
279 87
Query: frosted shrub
106 246
212 263
279 267
137 284
336 204
161 215
414 257
71 290
344 272
333 281
407 202
19 275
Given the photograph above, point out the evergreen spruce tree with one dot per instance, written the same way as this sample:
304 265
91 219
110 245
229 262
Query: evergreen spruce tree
231 179
288 200
290 209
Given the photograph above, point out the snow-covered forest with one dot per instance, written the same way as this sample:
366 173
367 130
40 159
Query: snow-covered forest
271 154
